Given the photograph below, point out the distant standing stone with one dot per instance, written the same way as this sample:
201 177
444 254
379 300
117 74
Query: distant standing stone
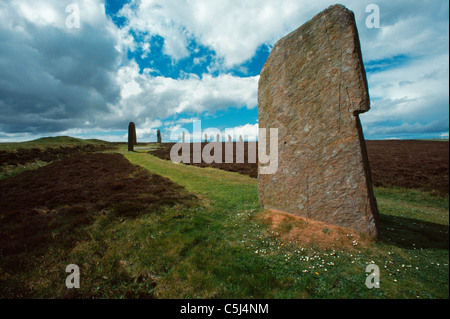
312 88
158 136
131 136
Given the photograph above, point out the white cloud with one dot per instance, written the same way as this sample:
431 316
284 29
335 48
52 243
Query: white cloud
147 130
249 132
196 132
234 29
413 96
160 97
436 126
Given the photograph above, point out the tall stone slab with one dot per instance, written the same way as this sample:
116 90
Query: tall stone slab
312 88
158 136
131 136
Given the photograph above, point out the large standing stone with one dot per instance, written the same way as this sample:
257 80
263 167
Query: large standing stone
131 136
312 88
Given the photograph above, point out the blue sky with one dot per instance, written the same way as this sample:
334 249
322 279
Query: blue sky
163 64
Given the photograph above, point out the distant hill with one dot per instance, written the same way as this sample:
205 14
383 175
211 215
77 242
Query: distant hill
65 140
56 141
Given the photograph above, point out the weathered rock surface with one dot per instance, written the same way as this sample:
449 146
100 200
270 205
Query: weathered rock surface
132 140
312 88
158 136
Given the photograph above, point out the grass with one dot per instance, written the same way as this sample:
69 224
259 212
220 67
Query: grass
13 170
226 248
412 252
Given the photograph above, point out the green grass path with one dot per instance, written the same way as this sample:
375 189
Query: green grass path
216 185
232 255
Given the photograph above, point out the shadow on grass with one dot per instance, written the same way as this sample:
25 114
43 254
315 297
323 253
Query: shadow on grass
412 233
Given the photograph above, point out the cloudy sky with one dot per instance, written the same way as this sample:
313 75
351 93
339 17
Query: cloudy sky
165 63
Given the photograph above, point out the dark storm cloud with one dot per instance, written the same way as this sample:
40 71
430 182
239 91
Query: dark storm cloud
53 78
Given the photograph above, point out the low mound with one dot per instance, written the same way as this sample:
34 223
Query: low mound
308 232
